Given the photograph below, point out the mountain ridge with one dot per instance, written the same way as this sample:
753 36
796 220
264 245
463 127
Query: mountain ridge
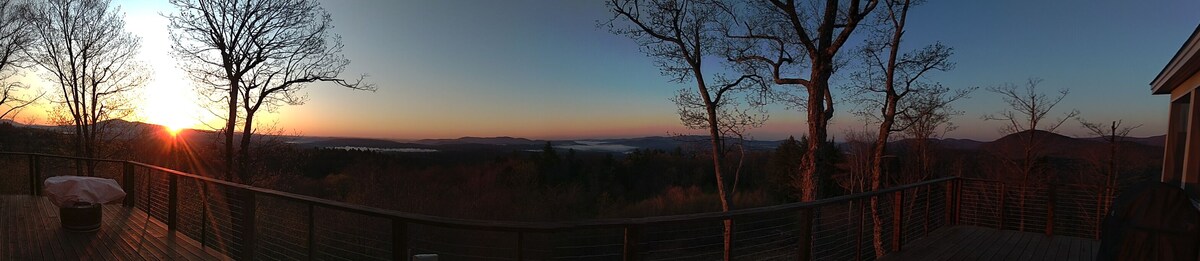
1058 143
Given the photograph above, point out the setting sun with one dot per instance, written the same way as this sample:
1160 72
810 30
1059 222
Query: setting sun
168 98
171 106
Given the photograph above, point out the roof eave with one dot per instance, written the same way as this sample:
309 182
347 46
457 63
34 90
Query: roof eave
1185 63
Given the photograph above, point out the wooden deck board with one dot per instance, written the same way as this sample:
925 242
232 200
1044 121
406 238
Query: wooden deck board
977 243
31 231
1005 247
1026 248
973 247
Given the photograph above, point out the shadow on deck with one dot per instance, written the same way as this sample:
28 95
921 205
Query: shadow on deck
31 231
979 243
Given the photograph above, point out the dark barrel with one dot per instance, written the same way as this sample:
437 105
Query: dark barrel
80 217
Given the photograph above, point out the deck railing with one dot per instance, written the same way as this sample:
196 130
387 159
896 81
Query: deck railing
251 223
1054 209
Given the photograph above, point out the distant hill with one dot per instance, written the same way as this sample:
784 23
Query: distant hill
512 143
11 122
686 142
959 144
1056 145
482 140
1157 141
362 142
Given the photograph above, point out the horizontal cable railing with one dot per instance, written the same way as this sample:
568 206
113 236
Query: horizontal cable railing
1054 209
251 223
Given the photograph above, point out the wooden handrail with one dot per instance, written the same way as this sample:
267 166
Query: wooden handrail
59 156
509 226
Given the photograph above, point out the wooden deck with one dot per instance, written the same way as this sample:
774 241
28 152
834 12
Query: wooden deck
31 231
977 243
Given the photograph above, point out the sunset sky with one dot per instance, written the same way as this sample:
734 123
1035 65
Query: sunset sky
543 69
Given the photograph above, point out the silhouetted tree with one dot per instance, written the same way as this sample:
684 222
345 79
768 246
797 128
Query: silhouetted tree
883 84
929 118
679 34
855 176
795 44
888 80
1114 135
784 168
255 54
1025 116
550 171
86 52
15 35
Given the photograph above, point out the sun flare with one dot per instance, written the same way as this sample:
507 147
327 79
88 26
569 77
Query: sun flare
174 131
168 98
172 107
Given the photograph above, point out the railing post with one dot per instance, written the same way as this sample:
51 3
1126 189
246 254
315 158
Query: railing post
127 183
858 242
399 239
958 200
203 214
1002 190
249 237
1050 210
804 240
629 244
928 194
897 220
949 209
172 201
35 175
520 245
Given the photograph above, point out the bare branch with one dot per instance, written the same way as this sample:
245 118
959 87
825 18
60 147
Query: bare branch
250 55
84 49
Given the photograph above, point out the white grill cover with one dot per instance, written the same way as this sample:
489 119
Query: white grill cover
66 190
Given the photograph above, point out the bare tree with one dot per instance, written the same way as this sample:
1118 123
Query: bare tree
795 44
886 80
884 87
14 37
679 34
1026 116
1114 135
255 54
928 118
13 98
856 174
84 49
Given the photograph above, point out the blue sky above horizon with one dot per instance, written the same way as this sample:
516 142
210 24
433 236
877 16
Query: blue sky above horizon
543 69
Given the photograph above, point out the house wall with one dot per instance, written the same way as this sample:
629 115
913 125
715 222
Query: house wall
1183 133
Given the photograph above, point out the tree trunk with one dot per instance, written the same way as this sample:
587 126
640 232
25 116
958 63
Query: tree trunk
230 126
79 151
718 154
243 170
727 231
885 130
818 121
880 150
89 148
1026 170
